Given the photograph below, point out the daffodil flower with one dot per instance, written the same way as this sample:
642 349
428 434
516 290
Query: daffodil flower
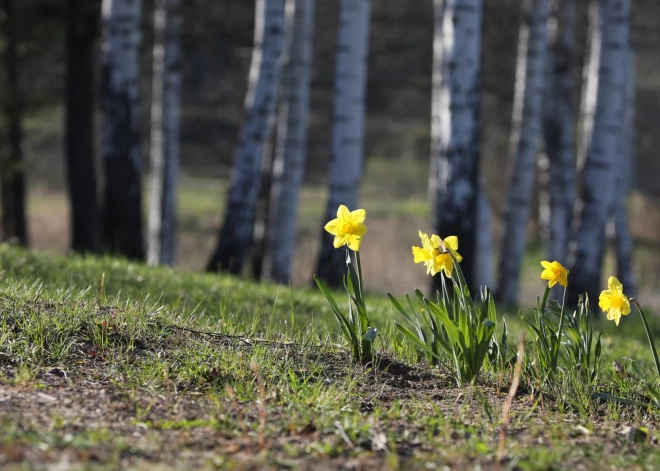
613 301
555 273
434 253
348 228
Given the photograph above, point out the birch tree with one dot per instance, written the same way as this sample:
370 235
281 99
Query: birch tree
558 126
83 19
622 238
290 152
347 127
455 124
12 168
483 262
122 162
527 120
602 163
589 84
236 233
164 131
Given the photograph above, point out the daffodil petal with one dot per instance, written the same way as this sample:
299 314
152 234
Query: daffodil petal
340 240
451 242
546 264
354 242
613 284
359 229
332 227
420 255
358 216
343 212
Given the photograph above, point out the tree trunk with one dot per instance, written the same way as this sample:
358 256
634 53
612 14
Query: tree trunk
122 162
623 239
236 233
82 30
12 171
290 151
483 262
455 110
436 97
558 127
164 131
347 127
602 166
527 120
589 84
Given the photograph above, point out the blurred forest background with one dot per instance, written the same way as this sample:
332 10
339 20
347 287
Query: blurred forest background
217 43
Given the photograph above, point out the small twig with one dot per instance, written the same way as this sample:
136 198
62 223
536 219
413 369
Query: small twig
342 432
251 341
506 410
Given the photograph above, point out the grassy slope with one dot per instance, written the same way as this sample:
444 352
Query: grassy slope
100 380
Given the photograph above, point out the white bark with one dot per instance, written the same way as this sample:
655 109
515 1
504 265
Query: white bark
589 84
602 163
436 96
455 124
290 152
348 124
623 239
236 233
527 120
559 122
164 131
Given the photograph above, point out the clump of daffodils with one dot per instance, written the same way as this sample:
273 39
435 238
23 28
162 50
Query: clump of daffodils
457 332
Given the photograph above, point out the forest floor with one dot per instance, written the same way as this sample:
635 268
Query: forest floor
155 368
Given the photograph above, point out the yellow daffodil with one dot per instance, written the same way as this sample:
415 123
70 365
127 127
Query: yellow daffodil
555 273
434 253
348 228
613 301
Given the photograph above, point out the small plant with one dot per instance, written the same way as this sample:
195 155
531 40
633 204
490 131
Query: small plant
583 348
617 304
456 325
348 229
547 332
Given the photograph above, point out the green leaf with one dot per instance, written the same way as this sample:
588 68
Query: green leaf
370 334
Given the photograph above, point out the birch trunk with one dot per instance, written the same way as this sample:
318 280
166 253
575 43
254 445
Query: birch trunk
12 170
122 162
290 152
436 97
483 262
455 125
601 165
82 30
164 131
623 239
558 127
527 120
589 84
348 127
236 233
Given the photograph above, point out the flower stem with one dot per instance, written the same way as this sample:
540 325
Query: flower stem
648 334
555 360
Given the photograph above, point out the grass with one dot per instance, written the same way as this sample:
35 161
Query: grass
155 368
